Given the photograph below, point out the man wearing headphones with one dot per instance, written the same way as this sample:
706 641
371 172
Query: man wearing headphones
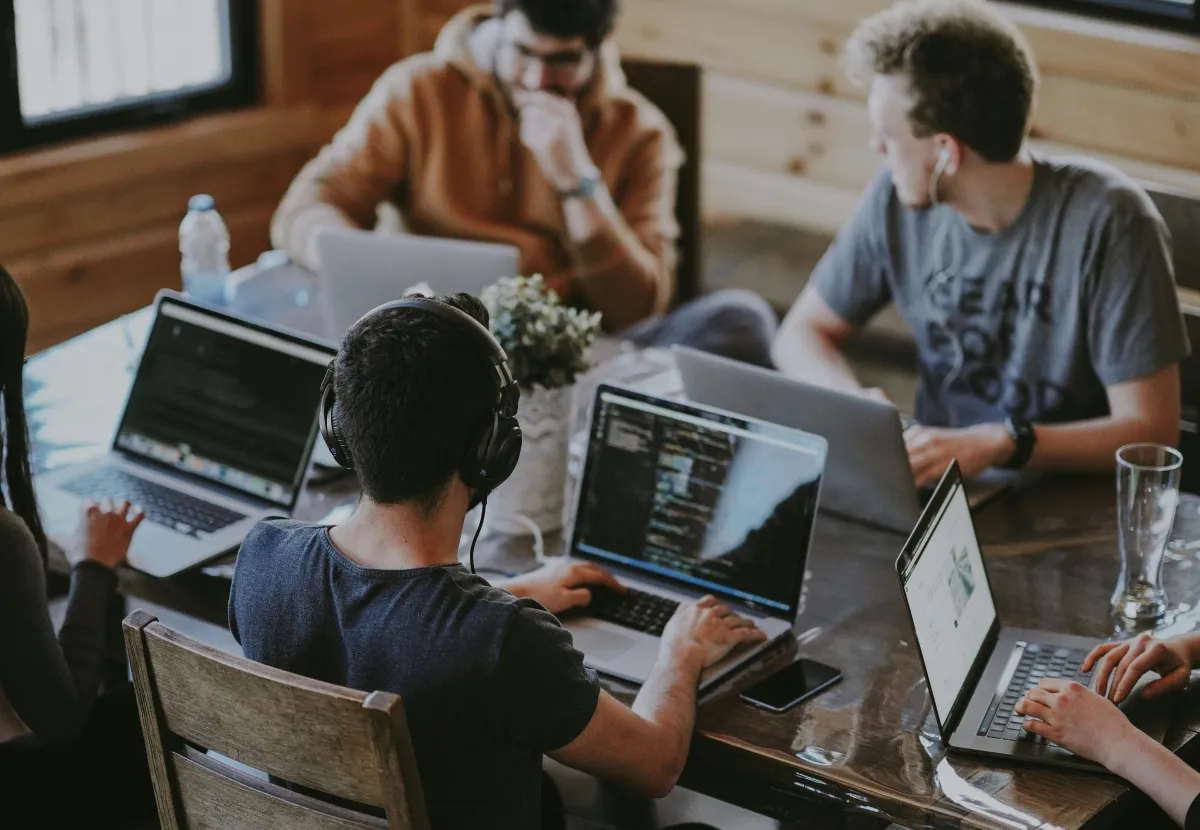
421 404
1040 291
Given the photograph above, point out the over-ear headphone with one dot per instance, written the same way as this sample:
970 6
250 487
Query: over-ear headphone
493 445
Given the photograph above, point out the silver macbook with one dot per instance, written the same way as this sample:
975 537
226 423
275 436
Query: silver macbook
216 434
365 269
680 501
976 669
868 477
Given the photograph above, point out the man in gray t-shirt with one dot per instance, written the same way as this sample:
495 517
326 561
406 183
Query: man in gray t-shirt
1039 291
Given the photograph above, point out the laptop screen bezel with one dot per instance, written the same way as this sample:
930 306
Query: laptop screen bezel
951 483
166 298
706 412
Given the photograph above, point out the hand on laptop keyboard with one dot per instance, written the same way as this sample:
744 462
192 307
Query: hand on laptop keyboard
103 534
1119 666
1077 719
563 585
703 632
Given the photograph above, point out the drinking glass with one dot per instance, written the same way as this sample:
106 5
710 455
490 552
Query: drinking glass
1147 495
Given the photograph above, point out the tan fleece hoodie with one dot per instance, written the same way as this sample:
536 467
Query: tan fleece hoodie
435 137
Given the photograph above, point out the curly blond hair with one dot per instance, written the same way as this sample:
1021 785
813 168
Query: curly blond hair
971 72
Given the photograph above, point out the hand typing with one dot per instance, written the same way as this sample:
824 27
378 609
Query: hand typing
1080 720
1119 666
706 630
931 449
560 586
103 533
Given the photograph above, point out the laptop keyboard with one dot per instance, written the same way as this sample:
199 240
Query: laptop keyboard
1036 663
162 505
634 609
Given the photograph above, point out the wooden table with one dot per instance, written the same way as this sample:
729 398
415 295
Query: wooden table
864 753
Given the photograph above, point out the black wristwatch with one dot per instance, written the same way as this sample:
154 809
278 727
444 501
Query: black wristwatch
1024 437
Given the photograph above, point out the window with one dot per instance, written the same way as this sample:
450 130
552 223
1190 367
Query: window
71 68
1177 15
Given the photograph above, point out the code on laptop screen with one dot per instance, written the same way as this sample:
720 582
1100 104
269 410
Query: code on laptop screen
723 504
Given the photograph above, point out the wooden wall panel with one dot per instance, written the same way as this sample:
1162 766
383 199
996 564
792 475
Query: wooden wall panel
71 289
737 37
786 133
797 134
63 173
732 192
103 215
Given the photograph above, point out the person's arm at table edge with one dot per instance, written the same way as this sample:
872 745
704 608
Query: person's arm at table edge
1145 409
646 746
809 344
1159 773
360 167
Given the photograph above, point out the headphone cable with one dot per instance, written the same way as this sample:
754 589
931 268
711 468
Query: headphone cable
475 538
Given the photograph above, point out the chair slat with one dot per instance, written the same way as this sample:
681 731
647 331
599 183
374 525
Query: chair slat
310 733
217 798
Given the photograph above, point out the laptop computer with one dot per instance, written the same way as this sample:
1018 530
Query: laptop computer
679 501
216 434
868 477
365 269
977 670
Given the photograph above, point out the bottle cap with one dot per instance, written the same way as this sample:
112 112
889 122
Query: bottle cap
201 202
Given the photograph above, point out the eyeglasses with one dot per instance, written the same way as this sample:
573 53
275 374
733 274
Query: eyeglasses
568 65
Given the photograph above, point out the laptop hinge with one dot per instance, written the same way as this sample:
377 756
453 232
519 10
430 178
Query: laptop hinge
982 661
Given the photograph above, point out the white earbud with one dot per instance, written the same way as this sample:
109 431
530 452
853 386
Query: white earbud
938 170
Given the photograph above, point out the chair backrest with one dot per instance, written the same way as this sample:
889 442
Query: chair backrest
675 89
350 746
1189 376
1181 213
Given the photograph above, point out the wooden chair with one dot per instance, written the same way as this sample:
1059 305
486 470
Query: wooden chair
351 746
675 89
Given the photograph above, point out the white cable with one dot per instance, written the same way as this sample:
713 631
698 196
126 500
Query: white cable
942 276
498 519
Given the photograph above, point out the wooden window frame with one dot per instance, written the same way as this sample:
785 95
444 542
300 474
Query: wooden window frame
241 90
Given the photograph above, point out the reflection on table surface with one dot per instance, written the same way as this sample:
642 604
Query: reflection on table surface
870 744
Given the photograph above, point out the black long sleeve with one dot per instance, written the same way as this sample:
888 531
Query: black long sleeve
50 682
1192 822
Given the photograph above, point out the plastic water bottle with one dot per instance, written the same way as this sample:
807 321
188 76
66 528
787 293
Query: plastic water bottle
204 251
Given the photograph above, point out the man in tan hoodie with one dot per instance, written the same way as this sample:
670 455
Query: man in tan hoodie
519 128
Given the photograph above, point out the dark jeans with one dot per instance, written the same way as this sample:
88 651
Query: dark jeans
733 323
99 780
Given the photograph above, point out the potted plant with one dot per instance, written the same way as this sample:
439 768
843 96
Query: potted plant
547 344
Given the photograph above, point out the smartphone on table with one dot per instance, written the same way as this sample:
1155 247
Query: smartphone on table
791 685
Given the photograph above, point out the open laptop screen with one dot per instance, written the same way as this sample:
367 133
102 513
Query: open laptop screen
945 586
714 501
226 402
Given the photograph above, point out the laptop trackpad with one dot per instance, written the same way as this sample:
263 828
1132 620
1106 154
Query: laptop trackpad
601 643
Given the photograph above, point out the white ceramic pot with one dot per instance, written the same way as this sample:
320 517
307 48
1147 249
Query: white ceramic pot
535 489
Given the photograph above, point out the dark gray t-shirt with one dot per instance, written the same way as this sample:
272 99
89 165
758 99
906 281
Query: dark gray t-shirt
1033 321
489 682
